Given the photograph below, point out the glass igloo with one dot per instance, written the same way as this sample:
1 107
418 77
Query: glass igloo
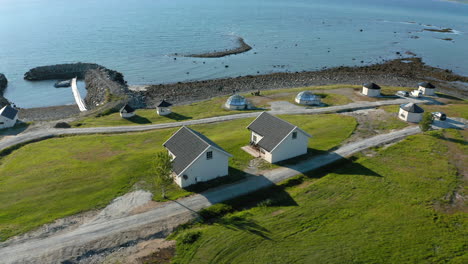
307 98
236 102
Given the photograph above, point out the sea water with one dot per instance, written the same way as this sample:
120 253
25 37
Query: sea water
139 38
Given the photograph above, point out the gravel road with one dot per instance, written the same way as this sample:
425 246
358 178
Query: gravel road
96 237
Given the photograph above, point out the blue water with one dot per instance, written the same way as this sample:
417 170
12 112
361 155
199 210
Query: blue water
138 37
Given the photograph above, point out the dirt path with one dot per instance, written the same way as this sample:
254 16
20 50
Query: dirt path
47 132
111 234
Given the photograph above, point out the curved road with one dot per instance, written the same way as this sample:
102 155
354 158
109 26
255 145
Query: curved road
9 141
93 238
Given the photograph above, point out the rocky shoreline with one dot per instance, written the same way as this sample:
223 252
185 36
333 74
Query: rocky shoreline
3 86
400 72
243 47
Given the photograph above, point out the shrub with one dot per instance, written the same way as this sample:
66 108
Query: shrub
62 125
215 211
426 121
189 237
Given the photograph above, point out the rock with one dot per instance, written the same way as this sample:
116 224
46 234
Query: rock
3 83
62 125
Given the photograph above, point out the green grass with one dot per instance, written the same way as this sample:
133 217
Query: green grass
452 110
372 210
54 178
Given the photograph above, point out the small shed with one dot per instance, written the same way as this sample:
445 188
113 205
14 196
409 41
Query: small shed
236 102
8 117
307 98
411 112
163 108
371 89
426 88
127 111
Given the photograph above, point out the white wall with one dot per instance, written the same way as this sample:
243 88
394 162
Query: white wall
235 107
303 102
370 92
427 91
289 147
205 170
127 115
410 117
7 122
163 110
257 136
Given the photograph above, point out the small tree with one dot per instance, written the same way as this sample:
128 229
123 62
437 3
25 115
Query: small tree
163 171
426 122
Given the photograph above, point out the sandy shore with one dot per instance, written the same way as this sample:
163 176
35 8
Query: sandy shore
400 72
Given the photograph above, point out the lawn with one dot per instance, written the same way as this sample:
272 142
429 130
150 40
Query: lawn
54 178
377 209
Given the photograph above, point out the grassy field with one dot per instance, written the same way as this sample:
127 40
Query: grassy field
213 107
50 179
377 209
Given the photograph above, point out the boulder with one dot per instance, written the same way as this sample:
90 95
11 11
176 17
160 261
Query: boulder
3 83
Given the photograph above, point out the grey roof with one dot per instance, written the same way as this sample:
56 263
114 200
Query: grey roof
164 103
127 109
426 85
412 108
371 86
8 112
272 129
187 144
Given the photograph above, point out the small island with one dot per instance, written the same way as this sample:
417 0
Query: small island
243 47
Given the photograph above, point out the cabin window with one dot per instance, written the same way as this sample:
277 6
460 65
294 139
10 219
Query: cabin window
254 137
294 135
209 155
185 176
1 123
403 115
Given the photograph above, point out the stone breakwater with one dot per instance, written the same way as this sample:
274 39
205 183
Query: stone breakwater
243 47
68 71
400 72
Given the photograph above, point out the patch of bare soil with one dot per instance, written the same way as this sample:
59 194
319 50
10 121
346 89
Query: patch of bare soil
457 198
157 251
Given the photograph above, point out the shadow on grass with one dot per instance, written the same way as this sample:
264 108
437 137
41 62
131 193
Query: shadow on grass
446 96
13 131
241 223
139 120
177 117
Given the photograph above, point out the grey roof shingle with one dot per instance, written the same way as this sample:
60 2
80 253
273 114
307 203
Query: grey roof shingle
187 144
426 85
272 129
8 112
127 109
371 86
412 108
164 103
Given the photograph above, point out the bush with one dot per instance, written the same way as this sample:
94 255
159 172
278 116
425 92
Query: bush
426 121
189 237
62 125
215 211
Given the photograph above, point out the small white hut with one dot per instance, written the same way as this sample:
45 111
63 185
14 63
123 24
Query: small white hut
371 89
411 112
236 102
163 108
307 98
426 88
8 117
127 111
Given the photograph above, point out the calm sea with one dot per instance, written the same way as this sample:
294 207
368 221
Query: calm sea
138 37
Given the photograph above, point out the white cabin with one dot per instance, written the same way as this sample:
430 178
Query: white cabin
371 89
163 108
8 117
195 157
410 112
277 140
127 111
426 88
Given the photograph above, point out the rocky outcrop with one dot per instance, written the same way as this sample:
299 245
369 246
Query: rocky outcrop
3 83
243 47
104 89
68 71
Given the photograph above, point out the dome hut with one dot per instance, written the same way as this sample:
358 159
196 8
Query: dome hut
236 102
127 111
163 108
307 98
426 88
371 89
411 112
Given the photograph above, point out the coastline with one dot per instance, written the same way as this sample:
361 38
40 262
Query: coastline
405 72
243 47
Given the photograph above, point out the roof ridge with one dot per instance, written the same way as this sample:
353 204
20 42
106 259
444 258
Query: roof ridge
193 132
